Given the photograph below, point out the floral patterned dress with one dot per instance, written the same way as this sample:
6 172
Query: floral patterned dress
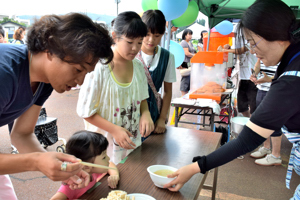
116 102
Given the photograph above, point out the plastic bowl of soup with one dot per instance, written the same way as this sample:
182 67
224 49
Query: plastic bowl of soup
159 173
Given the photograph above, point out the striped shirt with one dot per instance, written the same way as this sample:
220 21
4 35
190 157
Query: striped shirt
270 71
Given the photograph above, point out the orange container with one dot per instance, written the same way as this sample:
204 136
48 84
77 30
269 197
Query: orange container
216 39
213 96
214 57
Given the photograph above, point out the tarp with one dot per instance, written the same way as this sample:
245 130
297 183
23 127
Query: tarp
218 10
196 28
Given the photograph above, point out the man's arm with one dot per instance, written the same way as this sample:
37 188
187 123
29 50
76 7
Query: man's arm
238 51
257 67
22 135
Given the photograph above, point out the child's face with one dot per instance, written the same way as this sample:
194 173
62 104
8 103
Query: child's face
1 39
151 40
102 159
128 48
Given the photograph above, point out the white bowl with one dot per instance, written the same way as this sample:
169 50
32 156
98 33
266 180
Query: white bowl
158 180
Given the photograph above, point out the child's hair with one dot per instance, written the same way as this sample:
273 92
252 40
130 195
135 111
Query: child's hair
86 145
185 32
73 38
2 31
130 25
18 34
155 21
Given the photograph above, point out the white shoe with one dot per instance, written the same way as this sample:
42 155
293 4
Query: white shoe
261 152
269 160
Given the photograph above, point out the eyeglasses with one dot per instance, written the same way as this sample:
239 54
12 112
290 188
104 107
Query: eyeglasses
252 46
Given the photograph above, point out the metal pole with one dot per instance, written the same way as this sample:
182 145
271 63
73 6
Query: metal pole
208 38
169 35
117 2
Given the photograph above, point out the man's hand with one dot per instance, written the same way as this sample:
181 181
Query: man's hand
264 79
49 163
253 78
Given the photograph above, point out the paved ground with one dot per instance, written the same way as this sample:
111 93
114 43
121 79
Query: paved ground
237 180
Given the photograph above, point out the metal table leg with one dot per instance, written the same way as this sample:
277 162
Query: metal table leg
176 116
214 189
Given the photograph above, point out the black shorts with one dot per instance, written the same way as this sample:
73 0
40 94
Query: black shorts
246 96
185 83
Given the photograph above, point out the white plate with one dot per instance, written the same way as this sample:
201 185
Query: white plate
139 196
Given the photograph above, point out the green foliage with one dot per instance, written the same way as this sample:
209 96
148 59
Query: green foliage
199 21
6 19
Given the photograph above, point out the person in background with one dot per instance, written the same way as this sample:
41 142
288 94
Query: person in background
246 96
200 42
280 107
2 35
19 36
89 147
113 99
24 30
263 77
159 67
185 69
60 51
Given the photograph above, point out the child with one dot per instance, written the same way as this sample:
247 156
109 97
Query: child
112 99
89 147
159 67
2 34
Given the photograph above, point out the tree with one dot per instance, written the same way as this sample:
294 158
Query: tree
201 22
6 19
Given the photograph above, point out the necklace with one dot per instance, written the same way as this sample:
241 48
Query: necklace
141 58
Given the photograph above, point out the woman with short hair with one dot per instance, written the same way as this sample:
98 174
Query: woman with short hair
60 51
